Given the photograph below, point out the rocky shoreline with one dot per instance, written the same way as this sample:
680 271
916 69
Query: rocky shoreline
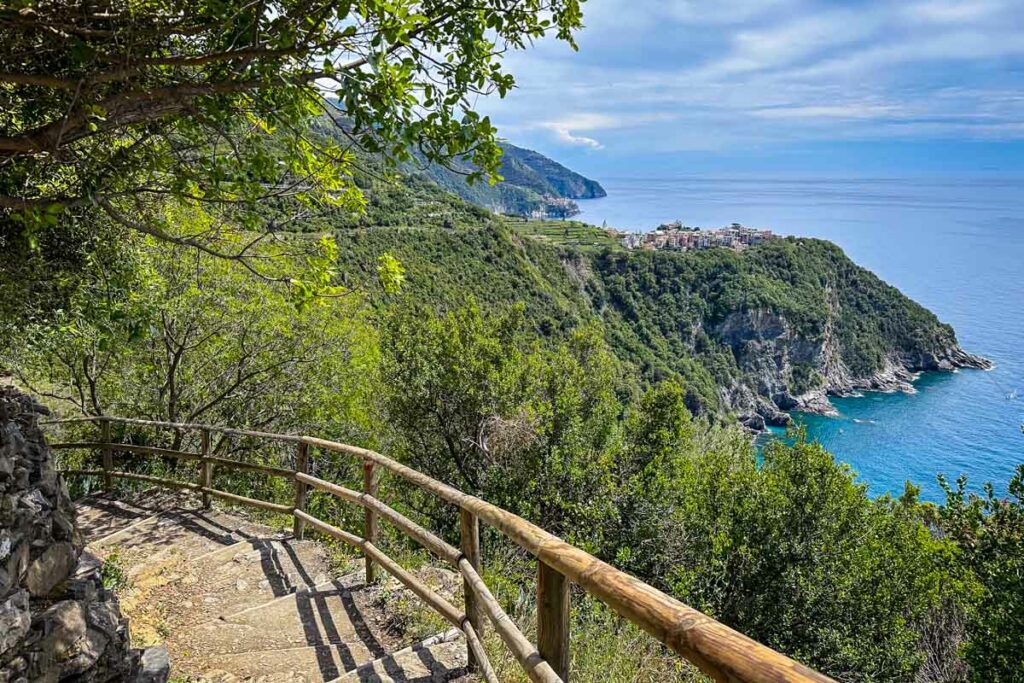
895 377
768 353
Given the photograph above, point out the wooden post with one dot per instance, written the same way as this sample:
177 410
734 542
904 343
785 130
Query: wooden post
469 528
370 523
553 619
205 466
108 457
301 465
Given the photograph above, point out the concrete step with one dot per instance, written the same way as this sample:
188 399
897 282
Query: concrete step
435 661
101 515
168 538
315 663
246 574
237 601
184 534
329 614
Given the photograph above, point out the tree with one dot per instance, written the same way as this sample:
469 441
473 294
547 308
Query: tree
121 105
180 336
794 553
989 532
448 379
472 399
658 448
561 476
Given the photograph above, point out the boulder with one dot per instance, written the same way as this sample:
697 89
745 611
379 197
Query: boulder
15 620
156 665
50 568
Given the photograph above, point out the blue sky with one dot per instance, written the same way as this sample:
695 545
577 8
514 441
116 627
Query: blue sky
777 85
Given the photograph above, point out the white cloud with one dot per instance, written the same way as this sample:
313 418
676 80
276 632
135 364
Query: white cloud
568 127
723 12
688 74
835 111
568 137
954 11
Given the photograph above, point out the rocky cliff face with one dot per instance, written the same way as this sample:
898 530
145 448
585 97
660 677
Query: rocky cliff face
57 622
783 371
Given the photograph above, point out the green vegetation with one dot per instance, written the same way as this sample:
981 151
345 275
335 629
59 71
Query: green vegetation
539 365
533 170
567 233
531 184
989 534
180 244
792 552
531 405
206 105
113 575
662 312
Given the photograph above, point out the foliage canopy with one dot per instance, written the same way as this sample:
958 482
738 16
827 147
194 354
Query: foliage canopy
117 105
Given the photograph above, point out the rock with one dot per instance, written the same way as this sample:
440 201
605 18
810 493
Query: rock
817 402
14 568
88 564
156 665
56 620
15 620
753 422
798 371
67 629
50 569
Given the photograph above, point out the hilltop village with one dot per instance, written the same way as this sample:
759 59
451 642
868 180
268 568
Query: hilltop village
676 236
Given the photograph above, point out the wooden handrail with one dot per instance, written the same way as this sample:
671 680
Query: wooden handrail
719 651
526 654
131 448
184 426
181 455
411 529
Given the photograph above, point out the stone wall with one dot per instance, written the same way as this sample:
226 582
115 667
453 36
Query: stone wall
57 622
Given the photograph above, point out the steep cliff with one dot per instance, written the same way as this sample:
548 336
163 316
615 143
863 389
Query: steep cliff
533 185
799 322
530 169
780 371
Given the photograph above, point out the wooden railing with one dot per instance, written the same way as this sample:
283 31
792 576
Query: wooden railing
719 651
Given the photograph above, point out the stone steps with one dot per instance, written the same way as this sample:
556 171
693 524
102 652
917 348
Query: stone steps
254 571
327 615
443 659
237 601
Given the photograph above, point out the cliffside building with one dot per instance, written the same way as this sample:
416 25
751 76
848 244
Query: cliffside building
675 236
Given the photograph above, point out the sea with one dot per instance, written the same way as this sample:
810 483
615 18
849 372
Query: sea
955 245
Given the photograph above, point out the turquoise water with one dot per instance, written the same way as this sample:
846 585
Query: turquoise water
956 245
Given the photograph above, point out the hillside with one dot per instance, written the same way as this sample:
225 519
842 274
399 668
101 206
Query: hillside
756 334
533 185
534 171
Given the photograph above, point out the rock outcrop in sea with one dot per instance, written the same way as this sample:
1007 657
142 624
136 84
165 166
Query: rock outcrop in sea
783 372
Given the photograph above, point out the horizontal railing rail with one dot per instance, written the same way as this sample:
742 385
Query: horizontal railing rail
719 651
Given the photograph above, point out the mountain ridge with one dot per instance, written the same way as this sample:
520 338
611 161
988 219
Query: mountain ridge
533 186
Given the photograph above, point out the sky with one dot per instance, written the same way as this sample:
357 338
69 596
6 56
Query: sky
789 86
